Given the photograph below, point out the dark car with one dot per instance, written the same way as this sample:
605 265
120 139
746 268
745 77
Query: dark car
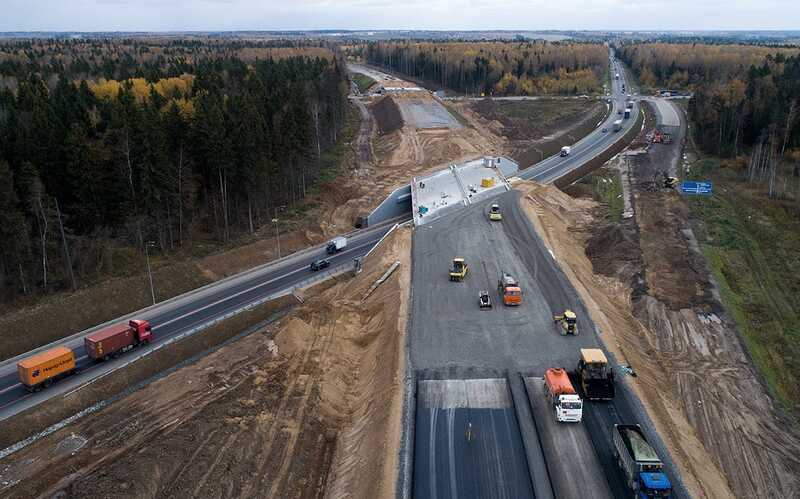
605 130
320 264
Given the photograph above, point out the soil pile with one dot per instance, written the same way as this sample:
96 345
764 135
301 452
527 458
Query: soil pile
387 115
309 407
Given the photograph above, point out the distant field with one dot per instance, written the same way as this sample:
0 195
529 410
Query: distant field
539 128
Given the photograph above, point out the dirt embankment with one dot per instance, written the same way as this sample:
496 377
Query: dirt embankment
694 374
387 115
565 225
309 407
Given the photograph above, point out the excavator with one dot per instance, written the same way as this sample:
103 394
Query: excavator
459 269
666 182
568 322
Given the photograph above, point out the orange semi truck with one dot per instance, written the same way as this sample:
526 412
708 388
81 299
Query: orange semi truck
42 369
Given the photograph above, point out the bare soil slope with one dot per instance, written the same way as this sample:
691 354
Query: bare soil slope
308 408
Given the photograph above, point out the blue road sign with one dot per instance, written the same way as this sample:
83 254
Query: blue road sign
691 187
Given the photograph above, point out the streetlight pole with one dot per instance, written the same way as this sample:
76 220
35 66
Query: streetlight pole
277 237
147 245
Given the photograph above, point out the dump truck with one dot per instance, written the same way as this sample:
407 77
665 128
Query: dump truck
117 339
494 213
509 290
639 462
41 370
565 151
459 269
595 375
617 125
336 245
567 404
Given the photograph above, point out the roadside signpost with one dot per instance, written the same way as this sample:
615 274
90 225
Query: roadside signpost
692 187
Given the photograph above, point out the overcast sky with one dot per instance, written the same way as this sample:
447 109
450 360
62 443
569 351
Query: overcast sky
204 15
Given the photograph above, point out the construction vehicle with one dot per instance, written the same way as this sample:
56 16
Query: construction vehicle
568 322
119 338
459 270
484 301
494 213
595 375
565 151
566 402
41 370
336 245
640 463
509 290
661 138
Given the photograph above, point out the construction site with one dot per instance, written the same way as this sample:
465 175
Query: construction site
503 338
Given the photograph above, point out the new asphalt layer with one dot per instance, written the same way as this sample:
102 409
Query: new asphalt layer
450 334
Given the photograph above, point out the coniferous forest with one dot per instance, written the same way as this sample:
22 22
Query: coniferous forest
158 142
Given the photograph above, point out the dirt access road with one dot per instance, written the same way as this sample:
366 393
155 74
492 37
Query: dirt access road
308 408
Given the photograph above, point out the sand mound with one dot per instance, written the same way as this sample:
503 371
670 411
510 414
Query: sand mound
387 115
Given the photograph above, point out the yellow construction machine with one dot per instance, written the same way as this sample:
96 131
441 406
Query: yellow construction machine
459 269
568 322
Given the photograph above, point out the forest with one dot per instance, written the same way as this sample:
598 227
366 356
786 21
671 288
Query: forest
496 68
152 142
745 102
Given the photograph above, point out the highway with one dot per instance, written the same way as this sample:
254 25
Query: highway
187 312
590 146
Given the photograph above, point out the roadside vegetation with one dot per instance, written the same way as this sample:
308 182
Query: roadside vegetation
752 244
537 129
495 68
363 82
185 146
744 126
605 187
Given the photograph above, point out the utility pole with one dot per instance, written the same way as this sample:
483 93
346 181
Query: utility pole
277 236
147 246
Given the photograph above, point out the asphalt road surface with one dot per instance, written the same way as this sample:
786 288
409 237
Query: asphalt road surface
474 420
175 317
451 334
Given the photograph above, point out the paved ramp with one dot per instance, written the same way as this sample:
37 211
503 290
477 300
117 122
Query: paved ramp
451 462
573 466
426 113
667 114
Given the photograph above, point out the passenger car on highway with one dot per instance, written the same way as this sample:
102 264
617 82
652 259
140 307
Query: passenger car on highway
320 264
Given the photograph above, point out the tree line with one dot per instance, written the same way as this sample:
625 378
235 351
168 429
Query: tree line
100 146
745 103
495 68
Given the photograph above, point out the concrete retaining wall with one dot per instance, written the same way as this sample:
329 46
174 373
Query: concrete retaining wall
398 203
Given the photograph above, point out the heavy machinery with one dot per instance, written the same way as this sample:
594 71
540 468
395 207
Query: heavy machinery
568 322
509 289
661 138
567 404
119 338
484 301
640 463
665 182
494 213
459 270
595 375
